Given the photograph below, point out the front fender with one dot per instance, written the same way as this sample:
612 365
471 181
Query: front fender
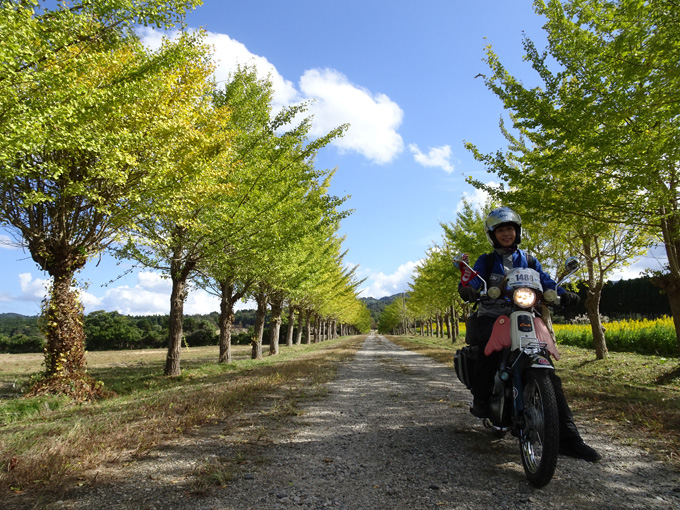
531 360
538 361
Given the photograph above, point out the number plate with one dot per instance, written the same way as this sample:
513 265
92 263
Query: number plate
521 277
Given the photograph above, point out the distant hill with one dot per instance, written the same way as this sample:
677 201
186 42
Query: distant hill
376 306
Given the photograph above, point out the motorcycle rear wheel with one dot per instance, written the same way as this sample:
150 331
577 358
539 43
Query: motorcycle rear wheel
539 437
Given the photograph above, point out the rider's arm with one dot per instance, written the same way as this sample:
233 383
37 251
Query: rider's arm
546 281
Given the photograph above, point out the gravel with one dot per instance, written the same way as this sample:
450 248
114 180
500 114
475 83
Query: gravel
394 431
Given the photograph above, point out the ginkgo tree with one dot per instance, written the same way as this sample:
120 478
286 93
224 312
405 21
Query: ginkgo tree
598 138
305 213
277 197
336 298
91 121
248 203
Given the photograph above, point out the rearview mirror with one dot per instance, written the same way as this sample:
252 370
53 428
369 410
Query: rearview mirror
571 264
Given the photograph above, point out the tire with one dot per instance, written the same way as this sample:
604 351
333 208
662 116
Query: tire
540 433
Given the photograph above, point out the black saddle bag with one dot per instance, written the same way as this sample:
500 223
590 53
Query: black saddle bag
464 363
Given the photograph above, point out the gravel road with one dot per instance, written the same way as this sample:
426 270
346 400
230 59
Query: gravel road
393 432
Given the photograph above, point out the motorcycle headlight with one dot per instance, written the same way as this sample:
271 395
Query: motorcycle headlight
524 297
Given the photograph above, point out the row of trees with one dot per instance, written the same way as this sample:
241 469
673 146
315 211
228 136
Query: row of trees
592 162
109 145
114 331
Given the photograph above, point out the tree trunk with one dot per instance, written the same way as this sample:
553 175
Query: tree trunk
227 302
172 367
593 310
300 323
226 324
670 283
456 326
592 303
671 287
275 325
261 299
317 327
64 333
291 326
178 295
65 369
308 327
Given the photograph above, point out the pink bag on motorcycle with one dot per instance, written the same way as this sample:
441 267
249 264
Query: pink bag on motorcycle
500 336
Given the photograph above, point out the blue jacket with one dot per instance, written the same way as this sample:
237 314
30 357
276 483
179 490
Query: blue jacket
519 259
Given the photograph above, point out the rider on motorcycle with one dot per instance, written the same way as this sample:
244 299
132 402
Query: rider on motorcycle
503 228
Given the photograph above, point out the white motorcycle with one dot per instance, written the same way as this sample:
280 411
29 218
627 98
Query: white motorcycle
523 399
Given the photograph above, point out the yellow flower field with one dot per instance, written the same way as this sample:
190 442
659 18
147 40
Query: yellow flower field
642 336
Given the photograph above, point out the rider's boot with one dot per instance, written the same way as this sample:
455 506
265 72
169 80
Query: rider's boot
480 408
577 448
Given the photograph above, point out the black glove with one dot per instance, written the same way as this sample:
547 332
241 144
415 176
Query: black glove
468 294
569 299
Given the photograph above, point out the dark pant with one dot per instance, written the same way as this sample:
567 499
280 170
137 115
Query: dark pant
486 367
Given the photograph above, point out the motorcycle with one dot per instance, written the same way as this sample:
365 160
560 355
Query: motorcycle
523 399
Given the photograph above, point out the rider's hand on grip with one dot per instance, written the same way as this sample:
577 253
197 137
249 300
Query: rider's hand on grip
468 294
569 299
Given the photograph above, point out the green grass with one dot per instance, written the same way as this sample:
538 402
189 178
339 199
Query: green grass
633 398
41 438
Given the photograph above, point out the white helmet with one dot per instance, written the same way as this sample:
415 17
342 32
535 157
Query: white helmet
501 217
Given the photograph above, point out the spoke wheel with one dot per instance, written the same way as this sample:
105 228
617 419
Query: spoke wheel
539 437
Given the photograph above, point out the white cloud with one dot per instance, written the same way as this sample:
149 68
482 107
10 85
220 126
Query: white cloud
32 289
436 157
230 53
373 118
478 198
7 243
150 296
153 38
154 282
200 302
655 259
381 285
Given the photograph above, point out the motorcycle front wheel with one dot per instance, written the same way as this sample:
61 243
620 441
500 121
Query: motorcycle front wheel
539 437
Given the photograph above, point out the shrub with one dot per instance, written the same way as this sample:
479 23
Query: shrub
202 337
21 343
242 338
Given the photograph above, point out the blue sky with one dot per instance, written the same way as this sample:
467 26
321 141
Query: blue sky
402 74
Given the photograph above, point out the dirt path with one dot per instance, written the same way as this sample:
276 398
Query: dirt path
393 432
